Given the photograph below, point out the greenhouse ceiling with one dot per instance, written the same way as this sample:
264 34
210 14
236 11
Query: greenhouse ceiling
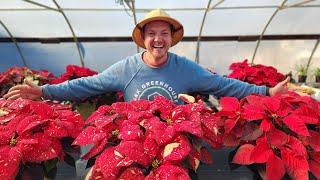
49 34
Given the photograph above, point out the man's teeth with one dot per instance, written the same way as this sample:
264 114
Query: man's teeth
158 46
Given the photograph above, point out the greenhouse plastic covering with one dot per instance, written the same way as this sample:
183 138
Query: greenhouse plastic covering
102 20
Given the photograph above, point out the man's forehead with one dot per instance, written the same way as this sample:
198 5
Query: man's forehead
157 24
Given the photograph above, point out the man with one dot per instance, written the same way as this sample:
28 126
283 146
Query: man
152 72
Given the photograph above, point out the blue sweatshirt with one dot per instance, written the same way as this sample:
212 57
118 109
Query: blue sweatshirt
138 81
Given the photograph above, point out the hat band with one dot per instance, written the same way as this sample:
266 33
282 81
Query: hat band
174 30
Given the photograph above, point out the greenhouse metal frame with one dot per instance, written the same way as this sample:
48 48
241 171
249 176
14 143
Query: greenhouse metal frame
129 6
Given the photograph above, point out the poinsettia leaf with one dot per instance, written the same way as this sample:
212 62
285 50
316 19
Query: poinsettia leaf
314 140
6 117
314 168
229 124
230 104
309 115
252 112
251 132
192 127
168 171
102 111
10 160
296 166
177 150
34 124
296 125
89 135
276 137
102 121
187 98
54 130
150 146
275 168
205 156
262 151
133 173
297 147
271 103
194 162
265 125
96 149
315 156
230 140
42 109
133 151
130 132
106 164
243 155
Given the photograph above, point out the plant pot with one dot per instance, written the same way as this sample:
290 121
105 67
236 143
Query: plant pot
302 78
317 79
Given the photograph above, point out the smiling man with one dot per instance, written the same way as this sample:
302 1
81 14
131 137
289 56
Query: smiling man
155 71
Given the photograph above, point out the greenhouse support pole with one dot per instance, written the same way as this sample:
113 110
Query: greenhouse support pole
133 9
297 4
41 5
312 53
265 28
72 31
201 28
15 43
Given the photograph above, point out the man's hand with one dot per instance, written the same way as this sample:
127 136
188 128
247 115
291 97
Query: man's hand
280 88
28 90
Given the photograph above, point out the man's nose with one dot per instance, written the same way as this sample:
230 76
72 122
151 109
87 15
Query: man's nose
157 37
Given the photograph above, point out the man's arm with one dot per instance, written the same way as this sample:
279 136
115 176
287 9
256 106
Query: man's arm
77 89
205 81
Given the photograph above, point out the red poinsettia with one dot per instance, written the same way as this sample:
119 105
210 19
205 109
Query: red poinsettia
280 131
73 72
16 75
255 74
31 131
152 137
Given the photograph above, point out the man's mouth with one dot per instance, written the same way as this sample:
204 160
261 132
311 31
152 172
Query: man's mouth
158 46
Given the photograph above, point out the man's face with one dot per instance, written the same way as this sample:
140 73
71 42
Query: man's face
157 38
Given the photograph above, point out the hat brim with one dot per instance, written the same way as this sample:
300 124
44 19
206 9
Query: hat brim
176 36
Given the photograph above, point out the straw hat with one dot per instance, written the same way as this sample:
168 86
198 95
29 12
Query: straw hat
157 15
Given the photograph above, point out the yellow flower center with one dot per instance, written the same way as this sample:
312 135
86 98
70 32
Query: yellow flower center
115 133
156 163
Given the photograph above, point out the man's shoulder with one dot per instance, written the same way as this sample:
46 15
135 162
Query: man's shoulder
129 60
182 60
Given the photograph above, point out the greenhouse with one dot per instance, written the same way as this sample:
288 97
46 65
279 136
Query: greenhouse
170 89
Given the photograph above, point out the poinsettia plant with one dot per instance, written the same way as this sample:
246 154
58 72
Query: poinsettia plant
280 132
31 131
149 139
255 74
16 75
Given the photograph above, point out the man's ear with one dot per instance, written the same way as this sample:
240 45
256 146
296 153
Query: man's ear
142 34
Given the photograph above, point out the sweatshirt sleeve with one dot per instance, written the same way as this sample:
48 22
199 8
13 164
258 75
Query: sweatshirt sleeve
82 88
207 82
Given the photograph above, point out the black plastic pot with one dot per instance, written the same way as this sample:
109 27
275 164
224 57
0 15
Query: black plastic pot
317 79
302 78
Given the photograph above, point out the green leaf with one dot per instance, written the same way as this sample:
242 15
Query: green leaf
69 160
50 164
